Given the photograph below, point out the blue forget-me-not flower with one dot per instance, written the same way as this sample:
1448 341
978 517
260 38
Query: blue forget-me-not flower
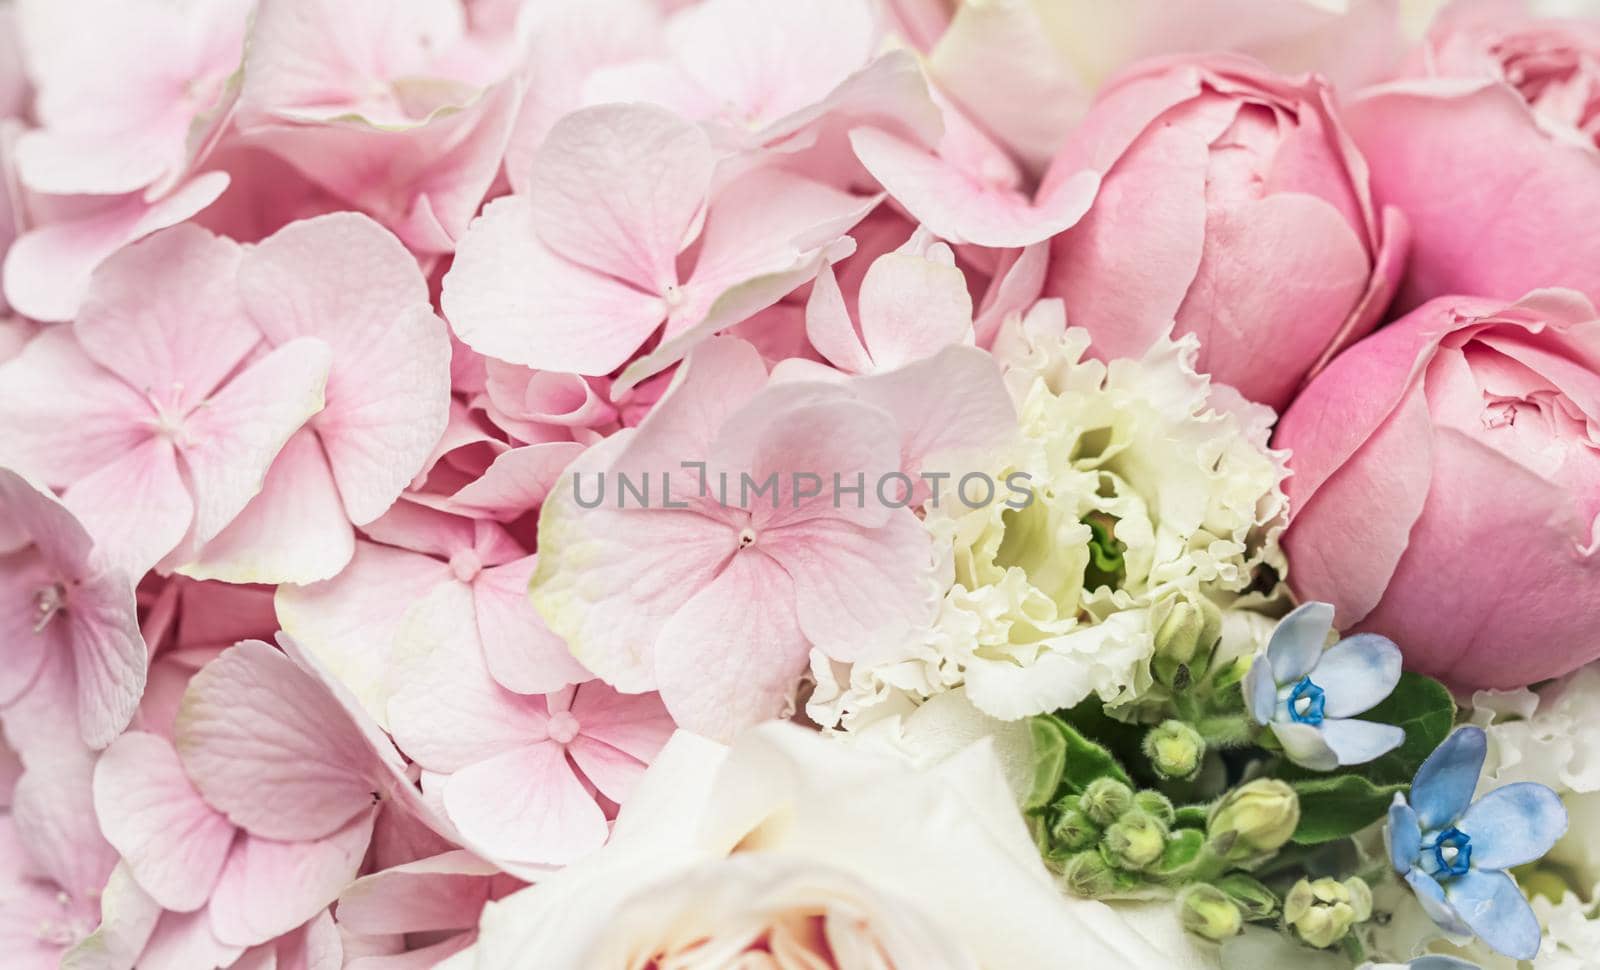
1309 696
1455 851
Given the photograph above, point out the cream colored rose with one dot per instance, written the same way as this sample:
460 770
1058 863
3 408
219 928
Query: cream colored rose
793 852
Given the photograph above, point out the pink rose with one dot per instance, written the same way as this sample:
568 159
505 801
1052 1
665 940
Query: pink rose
1446 486
1234 204
1492 149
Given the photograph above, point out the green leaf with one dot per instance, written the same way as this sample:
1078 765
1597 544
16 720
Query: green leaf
1333 807
1049 762
1192 816
1080 760
1178 858
1426 711
1122 739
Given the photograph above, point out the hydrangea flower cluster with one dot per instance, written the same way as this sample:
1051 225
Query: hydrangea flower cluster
668 484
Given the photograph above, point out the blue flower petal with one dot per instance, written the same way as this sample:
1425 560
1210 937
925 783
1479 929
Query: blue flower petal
1444 784
1495 908
1358 742
1403 834
1513 825
1431 895
1304 746
1297 641
1357 673
1438 961
1260 693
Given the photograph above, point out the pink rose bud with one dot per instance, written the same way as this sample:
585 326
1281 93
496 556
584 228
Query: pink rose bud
1490 148
1446 486
1234 204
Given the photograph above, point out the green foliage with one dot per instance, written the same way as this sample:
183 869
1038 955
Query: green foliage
1424 709
1337 806
1064 759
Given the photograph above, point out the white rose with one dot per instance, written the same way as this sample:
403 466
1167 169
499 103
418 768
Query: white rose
791 852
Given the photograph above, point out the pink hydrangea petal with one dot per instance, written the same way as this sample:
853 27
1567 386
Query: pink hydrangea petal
733 654
293 531
146 478
519 649
350 623
613 772
109 657
856 588
526 804
620 189
911 308
268 888
958 206
947 406
47 270
829 327
53 808
636 724
449 713
517 481
164 315
51 386
25 575
315 60
186 940
344 279
244 426
172 841
508 295
442 892
270 747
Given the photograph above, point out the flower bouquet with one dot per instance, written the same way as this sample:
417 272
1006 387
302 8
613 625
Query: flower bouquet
799 484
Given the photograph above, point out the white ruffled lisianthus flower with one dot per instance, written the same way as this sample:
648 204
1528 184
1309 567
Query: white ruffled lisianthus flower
1149 484
793 852
1546 737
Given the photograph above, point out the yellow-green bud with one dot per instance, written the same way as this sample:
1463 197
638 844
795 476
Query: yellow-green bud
1154 803
1184 641
1175 749
1253 898
1135 841
1106 799
1087 874
1323 912
1207 912
1254 819
1072 829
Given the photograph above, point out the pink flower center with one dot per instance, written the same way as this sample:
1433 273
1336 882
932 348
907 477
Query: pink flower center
46 604
466 565
563 727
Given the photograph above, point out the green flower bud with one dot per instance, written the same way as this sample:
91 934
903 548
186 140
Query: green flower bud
1154 803
1184 641
1175 749
1324 911
1089 875
1135 841
1072 829
1253 898
1207 912
1106 799
1254 819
